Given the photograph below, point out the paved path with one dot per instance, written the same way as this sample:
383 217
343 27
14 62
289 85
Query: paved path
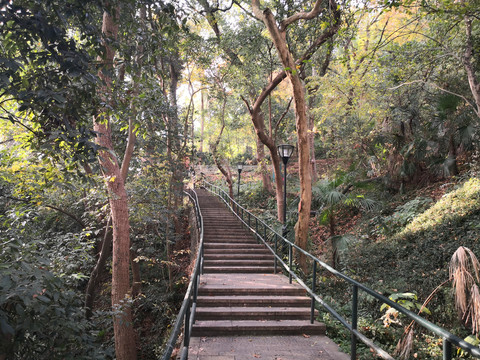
265 347
244 311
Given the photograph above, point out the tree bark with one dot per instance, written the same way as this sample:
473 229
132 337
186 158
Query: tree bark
468 64
202 121
125 347
278 35
311 136
259 125
105 253
213 148
264 172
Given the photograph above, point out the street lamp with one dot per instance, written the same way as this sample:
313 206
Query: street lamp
239 169
285 152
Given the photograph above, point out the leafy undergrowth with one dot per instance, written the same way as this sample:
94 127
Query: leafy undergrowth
414 259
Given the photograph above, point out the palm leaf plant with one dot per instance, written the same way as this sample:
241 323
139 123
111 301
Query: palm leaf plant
332 195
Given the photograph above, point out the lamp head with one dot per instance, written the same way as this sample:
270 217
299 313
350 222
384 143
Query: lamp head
239 167
285 151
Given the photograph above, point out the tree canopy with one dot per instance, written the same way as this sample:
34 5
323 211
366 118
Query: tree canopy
105 106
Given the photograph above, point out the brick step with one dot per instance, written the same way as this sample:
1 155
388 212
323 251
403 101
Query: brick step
226 245
238 269
238 239
253 313
253 327
236 256
227 233
221 221
253 301
240 252
214 211
238 262
232 229
252 294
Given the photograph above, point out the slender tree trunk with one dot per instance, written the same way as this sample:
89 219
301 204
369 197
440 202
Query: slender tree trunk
451 168
311 134
267 183
202 121
469 66
125 347
304 169
93 281
269 142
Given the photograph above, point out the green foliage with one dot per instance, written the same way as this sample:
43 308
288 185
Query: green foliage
46 70
450 209
41 314
402 216
408 300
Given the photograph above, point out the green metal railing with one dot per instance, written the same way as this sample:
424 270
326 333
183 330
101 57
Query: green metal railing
186 315
276 244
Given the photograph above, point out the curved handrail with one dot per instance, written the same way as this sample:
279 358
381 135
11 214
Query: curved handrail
448 338
186 315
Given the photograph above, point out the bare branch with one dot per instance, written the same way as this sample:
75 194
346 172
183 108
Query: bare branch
282 117
301 16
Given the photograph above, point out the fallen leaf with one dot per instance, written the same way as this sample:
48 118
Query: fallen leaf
306 336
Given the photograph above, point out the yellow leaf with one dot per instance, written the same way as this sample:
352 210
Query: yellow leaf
112 179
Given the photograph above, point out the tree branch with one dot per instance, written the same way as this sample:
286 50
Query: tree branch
301 16
25 201
277 124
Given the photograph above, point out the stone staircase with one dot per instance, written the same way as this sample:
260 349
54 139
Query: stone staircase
239 293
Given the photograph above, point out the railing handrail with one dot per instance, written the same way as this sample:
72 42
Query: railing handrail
448 338
186 315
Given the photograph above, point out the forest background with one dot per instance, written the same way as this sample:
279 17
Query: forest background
106 106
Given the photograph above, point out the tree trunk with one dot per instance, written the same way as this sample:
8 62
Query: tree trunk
278 35
301 123
304 169
269 142
105 253
125 347
267 183
311 135
450 165
468 64
202 121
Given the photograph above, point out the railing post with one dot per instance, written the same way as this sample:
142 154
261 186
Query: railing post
186 339
314 283
290 262
353 344
264 232
201 259
256 228
275 257
447 349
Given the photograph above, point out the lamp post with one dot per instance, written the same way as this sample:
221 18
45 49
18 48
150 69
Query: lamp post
285 152
239 169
